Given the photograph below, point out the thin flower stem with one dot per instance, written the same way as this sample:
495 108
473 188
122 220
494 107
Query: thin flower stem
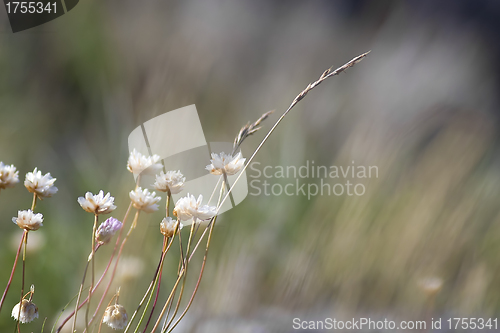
188 259
132 227
13 269
158 268
174 288
228 188
159 284
211 227
156 279
125 218
73 327
167 207
33 204
92 274
22 280
181 293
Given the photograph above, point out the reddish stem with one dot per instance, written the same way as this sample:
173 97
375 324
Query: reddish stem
13 270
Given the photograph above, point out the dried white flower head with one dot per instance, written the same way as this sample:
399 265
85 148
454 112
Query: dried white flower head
137 163
27 220
225 163
188 207
9 176
144 200
115 317
106 230
29 311
43 186
97 203
169 227
172 181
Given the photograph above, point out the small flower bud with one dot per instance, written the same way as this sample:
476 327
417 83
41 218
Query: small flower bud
168 227
106 230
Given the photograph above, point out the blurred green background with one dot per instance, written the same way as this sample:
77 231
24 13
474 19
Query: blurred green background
423 108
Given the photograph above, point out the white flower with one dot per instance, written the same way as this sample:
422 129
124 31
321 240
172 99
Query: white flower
168 226
9 176
43 186
97 203
137 163
188 207
172 181
225 163
144 200
29 311
27 220
115 317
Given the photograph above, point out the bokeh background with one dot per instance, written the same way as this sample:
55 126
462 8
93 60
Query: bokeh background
423 108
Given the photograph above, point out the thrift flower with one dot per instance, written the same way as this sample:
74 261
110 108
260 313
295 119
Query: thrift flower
29 311
97 203
106 230
115 317
172 181
27 220
9 176
188 207
137 163
43 186
144 200
225 163
168 227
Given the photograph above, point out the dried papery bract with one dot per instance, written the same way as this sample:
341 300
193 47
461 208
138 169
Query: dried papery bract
9 176
27 313
41 185
115 317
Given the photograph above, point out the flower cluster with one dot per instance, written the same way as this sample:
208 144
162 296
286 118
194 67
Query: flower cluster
144 200
137 163
172 181
41 185
28 220
169 227
9 176
225 163
97 203
188 207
